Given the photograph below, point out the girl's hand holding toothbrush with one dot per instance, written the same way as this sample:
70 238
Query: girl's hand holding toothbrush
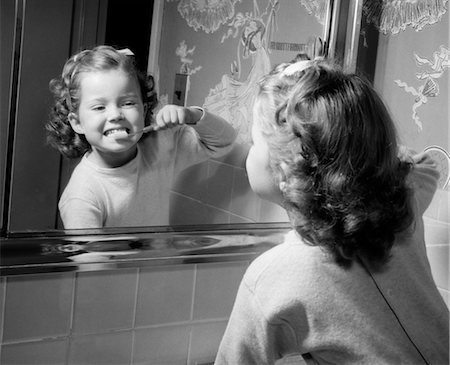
171 115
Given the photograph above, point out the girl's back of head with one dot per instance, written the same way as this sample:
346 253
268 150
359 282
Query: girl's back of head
333 143
66 92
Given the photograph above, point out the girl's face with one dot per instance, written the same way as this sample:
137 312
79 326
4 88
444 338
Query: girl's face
110 109
259 172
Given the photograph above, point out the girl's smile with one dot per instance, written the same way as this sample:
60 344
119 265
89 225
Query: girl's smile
117 132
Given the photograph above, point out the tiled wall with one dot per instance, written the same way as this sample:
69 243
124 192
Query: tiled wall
160 315
437 228
218 192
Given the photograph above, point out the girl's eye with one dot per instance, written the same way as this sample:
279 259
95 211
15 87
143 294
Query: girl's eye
129 103
98 108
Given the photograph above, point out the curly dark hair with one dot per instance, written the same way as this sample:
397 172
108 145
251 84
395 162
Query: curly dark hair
333 144
66 93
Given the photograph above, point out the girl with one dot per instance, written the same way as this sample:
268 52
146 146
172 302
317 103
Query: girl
351 284
123 179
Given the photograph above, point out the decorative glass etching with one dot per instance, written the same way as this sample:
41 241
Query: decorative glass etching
429 87
185 53
206 15
233 98
316 7
392 16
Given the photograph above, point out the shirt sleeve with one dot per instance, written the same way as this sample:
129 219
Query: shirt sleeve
251 338
211 137
78 213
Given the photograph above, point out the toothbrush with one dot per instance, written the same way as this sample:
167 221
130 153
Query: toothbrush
149 128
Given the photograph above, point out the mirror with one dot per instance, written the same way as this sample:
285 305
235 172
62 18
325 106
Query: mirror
209 55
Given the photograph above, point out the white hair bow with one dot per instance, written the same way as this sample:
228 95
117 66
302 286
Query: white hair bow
299 66
296 67
126 52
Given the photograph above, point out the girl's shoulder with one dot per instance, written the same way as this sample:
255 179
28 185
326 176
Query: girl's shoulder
292 258
424 167
82 173
85 182
423 180
292 275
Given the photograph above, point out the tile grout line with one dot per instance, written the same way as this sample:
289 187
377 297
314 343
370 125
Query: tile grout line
72 316
133 324
191 315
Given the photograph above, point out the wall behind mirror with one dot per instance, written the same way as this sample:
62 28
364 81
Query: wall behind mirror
221 51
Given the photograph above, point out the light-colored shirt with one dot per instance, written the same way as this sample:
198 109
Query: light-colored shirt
138 193
294 299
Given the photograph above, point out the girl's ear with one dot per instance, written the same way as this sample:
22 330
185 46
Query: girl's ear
75 123
282 183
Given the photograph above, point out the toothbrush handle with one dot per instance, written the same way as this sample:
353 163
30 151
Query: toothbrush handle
149 128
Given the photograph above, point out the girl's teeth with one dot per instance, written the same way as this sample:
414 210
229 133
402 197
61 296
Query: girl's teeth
120 131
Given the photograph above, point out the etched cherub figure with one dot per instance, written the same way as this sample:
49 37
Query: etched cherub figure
430 86
183 52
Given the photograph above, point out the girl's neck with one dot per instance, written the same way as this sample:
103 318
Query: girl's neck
111 160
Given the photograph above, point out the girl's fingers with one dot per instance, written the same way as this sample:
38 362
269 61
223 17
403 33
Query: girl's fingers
170 116
163 118
181 115
173 117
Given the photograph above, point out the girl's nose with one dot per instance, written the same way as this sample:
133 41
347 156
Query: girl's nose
114 113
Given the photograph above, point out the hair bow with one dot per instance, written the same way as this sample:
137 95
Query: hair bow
296 67
126 52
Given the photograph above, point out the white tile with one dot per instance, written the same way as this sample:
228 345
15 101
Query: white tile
439 261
